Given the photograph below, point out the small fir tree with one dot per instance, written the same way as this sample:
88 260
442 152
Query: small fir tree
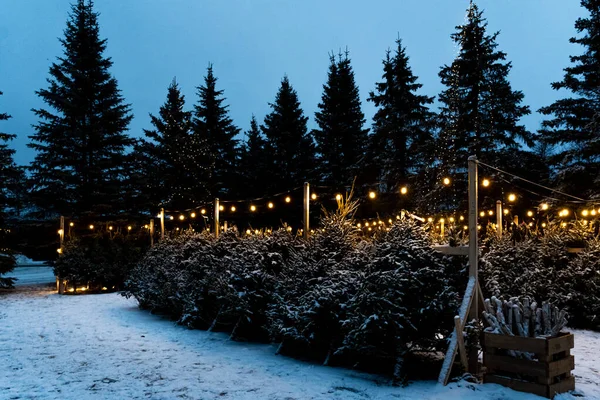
290 145
340 140
81 138
253 163
9 174
402 126
573 126
168 156
213 125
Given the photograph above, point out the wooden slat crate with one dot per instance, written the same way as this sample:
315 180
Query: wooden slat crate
548 374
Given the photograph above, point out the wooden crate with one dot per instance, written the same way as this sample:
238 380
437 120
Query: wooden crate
548 374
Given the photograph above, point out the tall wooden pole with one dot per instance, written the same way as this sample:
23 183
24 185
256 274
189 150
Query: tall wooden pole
61 236
162 224
442 227
306 232
473 254
217 217
152 232
499 218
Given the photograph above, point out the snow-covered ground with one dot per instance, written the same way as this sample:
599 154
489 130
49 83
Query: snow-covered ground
30 275
104 347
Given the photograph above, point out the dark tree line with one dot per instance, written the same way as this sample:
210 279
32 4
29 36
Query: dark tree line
87 164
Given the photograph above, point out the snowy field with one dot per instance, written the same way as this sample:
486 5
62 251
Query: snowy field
104 347
30 274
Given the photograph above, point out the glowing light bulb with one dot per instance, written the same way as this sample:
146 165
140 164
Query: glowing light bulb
248 232
544 206
482 214
110 228
446 181
390 221
358 225
181 217
461 218
203 211
366 224
486 183
451 219
403 190
252 208
491 212
465 227
129 228
313 196
91 226
506 212
543 224
593 212
193 215
585 213
338 197
221 208
565 212
512 197
270 205
171 218
233 208
288 199
145 226
530 213
59 251
60 231
372 195
429 219
442 220
71 224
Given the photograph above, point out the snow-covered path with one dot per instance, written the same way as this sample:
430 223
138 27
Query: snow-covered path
104 347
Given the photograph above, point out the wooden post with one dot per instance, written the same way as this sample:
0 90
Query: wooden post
499 218
442 227
61 235
162 223
152 232
516 220
473 252
217 227
224 226
306 231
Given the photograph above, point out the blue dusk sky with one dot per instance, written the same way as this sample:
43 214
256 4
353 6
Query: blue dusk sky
253 43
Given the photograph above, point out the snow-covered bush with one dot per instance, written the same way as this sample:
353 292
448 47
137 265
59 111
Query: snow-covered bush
99 260
404 300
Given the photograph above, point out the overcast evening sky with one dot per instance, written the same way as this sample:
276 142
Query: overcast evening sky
253 43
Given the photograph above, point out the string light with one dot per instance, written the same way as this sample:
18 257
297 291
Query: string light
248 232
252 208
358 225
544 206
442 220
233 208
110 228
221 208
593 212
338 197
461 218
60 231
313 196
288 199
366 224
491 212
486 182
193 215
506 211
71 224
59 251
585 213
451 219
181 217
564 212
91 226
145 226
270 205
203 211
512 197
129 228
372 195
390 221
429 219
482 214
171 218
403 190
446 181
543 224
530 213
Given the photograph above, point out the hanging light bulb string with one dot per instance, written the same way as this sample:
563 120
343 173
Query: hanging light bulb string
579 199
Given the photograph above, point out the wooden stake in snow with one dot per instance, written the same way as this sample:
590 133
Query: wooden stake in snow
217 218
306 231
162 223
152 232
499 218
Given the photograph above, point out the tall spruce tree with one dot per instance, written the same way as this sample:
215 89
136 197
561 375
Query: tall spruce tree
289 144
176 176
253 163
9 175
480 112
402 126
213 125
340 140
574 126
81 138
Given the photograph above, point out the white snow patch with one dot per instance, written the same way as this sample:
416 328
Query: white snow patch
104 347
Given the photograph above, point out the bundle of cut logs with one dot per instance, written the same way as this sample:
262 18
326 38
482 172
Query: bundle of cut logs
523 317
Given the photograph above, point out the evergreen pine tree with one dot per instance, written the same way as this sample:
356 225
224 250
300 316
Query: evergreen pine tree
575 124
402 126
253 163
80 139
289 144
9 175
175 176
480 112
213 125
340 140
